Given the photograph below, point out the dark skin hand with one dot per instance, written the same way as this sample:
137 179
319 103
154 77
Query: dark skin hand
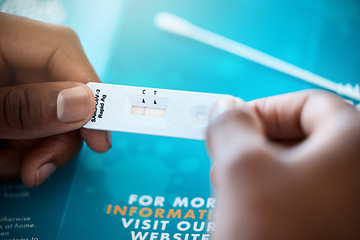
286 167
44 101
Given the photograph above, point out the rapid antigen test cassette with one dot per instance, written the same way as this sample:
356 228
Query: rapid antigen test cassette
151 111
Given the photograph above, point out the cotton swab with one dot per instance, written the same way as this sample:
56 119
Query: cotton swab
176 25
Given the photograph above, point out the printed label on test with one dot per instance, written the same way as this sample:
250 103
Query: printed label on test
151 111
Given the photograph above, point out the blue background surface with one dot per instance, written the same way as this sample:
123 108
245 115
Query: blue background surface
126 48
322 37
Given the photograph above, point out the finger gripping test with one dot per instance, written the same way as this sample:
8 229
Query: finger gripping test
151 111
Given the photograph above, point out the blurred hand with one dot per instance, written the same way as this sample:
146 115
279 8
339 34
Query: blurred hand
43 99
286 167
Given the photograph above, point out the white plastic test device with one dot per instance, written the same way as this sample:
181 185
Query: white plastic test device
151 111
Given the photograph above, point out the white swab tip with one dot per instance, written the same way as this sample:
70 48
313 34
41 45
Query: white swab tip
171 23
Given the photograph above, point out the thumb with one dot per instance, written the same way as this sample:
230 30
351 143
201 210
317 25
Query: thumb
236 142
233 128
44 109
243 164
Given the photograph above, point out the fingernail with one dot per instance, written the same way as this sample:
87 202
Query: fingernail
108 139
73 104
44 172
223 106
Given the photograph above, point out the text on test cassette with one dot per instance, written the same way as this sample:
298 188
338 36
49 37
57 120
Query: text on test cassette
151 111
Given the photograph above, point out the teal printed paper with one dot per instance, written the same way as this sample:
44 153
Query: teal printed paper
131 190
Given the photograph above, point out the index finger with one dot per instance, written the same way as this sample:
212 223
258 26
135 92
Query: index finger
37 46
47 52
298 115
328 126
